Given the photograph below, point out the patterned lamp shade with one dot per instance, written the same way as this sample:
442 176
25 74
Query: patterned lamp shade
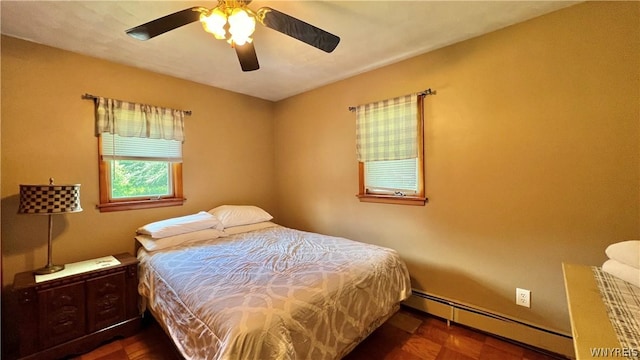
49 199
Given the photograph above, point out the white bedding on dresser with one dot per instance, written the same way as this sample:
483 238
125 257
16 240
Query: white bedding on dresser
273 293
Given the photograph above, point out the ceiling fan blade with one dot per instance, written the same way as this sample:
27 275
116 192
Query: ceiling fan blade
247 56
298 29
166 23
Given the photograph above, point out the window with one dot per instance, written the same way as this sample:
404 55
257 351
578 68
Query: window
392 177
136 170
390 151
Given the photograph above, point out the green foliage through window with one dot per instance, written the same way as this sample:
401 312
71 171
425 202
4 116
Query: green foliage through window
134 178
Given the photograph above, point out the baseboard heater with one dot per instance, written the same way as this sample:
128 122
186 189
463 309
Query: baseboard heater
500 325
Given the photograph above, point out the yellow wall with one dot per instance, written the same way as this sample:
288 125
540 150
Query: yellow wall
48 131
532 153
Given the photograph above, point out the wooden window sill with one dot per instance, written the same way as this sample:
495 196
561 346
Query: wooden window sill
139 204
392 199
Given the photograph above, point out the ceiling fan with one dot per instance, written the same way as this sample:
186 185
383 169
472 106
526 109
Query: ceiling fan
232 20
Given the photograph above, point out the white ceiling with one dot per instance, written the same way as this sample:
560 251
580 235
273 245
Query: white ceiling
373 34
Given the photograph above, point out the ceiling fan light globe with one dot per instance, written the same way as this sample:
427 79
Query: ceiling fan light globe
241 41
238 15
214 23
241 26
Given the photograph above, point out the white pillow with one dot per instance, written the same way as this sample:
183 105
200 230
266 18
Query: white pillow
235 215
180 225
151 244
626 252
622 271
250 227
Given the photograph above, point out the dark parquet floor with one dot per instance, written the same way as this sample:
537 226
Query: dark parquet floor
408 335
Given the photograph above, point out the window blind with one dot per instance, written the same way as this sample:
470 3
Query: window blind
391 176
116 147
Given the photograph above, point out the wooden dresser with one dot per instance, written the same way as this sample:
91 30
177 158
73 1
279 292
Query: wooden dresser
75 313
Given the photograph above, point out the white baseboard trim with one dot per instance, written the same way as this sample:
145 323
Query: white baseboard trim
493 323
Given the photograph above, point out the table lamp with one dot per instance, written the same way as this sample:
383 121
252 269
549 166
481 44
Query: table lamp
49 200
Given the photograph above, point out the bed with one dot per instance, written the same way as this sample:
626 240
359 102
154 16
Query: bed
264 291
604 312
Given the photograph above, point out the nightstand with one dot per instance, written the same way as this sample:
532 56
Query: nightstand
75 313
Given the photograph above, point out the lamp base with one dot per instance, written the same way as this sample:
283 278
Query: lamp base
49 269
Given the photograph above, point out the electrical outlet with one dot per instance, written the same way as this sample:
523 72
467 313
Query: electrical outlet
523 297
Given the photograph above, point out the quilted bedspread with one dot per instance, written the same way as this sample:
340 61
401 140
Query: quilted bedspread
622 301
274 293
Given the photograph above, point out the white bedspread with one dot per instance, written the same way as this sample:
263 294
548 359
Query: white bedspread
274 293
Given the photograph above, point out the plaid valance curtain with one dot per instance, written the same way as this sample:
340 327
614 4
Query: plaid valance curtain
388 129
138 120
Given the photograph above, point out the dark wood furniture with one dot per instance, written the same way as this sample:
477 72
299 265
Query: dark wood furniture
76 313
